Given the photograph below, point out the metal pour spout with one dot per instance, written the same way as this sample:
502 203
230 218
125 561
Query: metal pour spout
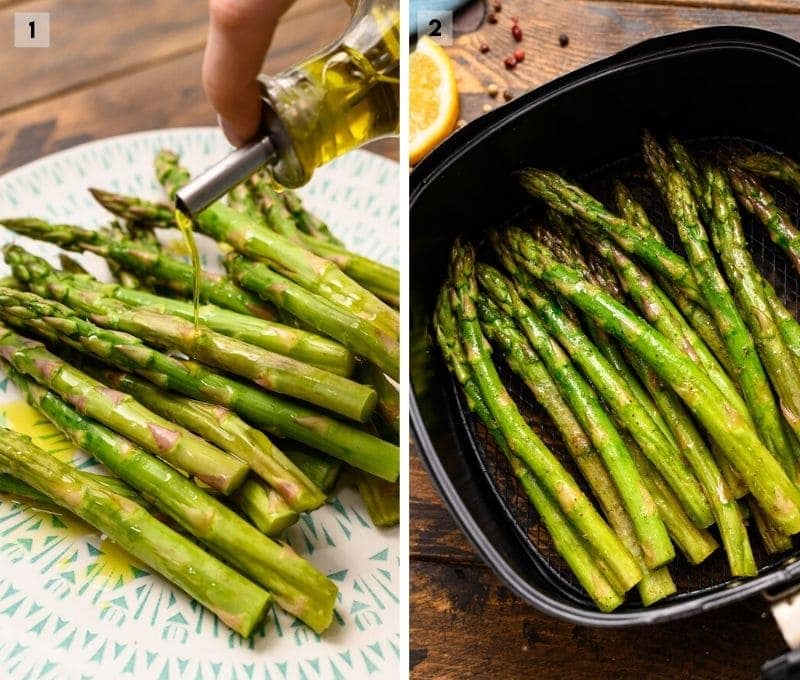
219 179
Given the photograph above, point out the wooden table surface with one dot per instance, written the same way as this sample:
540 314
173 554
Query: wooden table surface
464 623
121 66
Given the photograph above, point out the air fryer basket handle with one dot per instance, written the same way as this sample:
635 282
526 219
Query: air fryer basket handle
785 605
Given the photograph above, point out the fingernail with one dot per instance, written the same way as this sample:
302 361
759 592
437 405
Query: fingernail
229 133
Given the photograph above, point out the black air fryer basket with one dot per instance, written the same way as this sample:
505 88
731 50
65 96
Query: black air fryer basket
717 88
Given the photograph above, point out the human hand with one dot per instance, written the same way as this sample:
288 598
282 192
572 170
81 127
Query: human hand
239 34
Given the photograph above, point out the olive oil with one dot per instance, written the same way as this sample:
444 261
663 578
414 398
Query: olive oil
184 223
340 98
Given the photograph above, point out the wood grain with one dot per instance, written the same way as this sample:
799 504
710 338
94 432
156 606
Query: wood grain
466 625
89 45
596 29
164 95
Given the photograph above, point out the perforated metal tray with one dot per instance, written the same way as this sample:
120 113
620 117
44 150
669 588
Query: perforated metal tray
587 125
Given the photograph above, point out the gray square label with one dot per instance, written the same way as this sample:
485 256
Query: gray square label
31 29
436 24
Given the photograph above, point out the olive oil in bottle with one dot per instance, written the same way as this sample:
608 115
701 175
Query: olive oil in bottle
338 99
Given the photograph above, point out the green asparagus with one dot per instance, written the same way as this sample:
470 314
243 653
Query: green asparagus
260 408
768 164
523 443
239 603
145 261
737 440
569 543
296 585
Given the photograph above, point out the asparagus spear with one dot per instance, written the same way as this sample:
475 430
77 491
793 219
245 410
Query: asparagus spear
696 544
388 407
296 585
274 337
322 470
737 440
694 179
661 451
124 414
382 280
768 164
381 498
19 489
787 324
571 201
306 221
239 603
750 372
568 542
686 436
523 443
271 211
317 312
145 261
260 408
591 418
264 507
271 371
774 540
755 198
317 274
726 230
226 430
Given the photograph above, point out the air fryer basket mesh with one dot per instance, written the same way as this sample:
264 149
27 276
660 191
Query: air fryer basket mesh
691 580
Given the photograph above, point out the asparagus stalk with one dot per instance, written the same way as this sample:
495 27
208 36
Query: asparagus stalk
769 164
755 198
569 543
271 371
260 408
381 498
787 324
272 212
322 470
691 328
292 342
523 443
660 449
226 430
774 540
571 201
19 489
146 261
124 414
690 442
737 440
745 279
318 313
591 418
388 406
264 507
306 221
693 177
240 604
750 372
382 280
296 585
654 585
696 544
317 274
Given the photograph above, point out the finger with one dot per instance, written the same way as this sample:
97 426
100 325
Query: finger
239 34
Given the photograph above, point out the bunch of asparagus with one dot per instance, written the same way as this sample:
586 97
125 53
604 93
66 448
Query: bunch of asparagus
673 380
299 341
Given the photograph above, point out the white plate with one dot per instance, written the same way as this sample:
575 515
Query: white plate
73 605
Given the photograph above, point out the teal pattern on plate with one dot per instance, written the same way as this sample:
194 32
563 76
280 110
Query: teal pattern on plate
74 607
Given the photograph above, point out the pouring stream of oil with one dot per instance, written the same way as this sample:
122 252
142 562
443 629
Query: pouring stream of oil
184 223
